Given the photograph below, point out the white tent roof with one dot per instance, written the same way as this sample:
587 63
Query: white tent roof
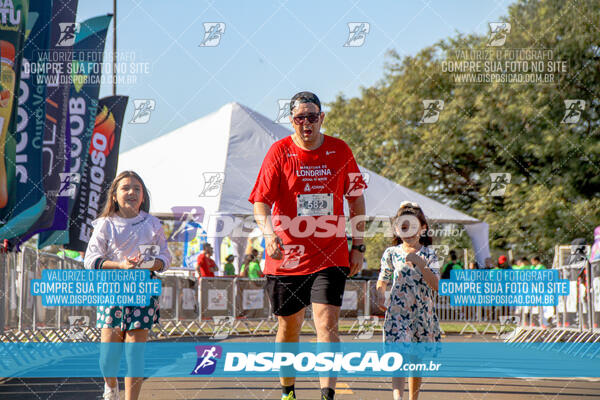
231 143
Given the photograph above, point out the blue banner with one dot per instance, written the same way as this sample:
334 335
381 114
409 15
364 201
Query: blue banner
30 127
13 23
99 171
85 72
260 359
56 139
95 287
504 287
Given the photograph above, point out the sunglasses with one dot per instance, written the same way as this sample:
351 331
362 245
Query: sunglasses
311 118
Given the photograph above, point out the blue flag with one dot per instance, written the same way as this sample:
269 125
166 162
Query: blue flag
30 129
85 74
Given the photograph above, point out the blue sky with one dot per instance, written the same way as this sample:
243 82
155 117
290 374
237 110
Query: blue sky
269 51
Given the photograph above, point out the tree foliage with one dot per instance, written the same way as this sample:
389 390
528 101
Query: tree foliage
515 128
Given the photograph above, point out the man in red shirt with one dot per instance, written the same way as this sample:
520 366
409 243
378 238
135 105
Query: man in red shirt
299 206
205 266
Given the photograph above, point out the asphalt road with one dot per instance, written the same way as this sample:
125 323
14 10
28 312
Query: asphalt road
347 388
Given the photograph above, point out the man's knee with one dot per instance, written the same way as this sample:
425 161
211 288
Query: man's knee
326 319
290 325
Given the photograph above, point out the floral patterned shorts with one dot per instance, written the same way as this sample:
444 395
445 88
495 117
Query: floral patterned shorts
128 318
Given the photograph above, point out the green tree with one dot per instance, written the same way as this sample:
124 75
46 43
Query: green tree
515 128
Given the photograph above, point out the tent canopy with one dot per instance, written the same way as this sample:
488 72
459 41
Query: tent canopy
230 144
225 149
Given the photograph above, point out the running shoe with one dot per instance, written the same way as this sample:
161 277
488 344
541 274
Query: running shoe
110 393
289 396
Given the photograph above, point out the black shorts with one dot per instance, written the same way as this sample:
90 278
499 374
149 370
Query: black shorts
291 293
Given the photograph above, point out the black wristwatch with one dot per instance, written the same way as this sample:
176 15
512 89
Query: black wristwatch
360 247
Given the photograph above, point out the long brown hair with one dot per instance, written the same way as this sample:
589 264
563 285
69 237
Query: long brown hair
408 208
111 206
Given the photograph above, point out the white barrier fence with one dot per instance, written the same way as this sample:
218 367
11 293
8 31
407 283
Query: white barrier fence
188 306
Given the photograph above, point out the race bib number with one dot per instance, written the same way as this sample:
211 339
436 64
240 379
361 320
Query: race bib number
315 204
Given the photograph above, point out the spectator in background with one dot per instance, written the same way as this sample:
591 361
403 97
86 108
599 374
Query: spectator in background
229 269
521 264
252 268
450 265
472 265
503 262
75 255
544 311
536 263
244 266
205 266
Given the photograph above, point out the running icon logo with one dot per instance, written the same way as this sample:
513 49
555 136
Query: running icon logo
189 220
67 184
77 323
148 254
291 255
213 184
207 359
223 327
498 33
431 111
283 112
573 110
358 183
68 30
213 31
358 33
441 251
500 181
509 320
142 110
366 326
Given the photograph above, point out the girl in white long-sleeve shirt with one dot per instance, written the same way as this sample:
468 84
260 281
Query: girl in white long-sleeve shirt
123 226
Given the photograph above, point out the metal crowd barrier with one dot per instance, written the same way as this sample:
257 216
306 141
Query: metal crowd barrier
582 306
576 316
188 306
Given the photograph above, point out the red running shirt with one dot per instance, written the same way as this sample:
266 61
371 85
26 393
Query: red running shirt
306 189
206 264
